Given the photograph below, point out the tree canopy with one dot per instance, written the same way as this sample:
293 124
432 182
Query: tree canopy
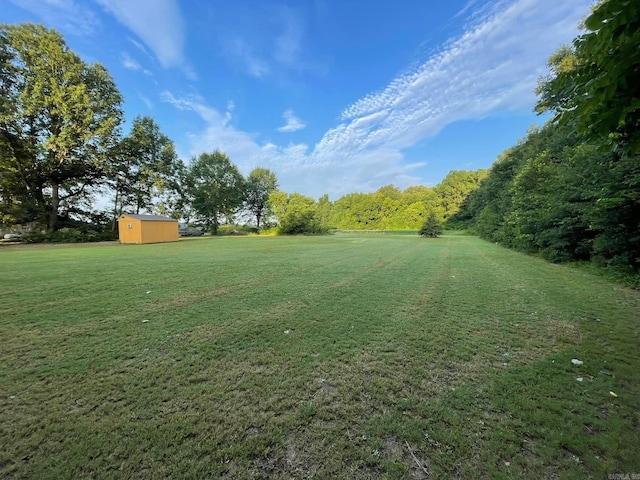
59 118
595 83
145 169
215 186
259 185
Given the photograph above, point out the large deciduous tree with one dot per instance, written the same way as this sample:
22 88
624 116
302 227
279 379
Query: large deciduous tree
216 188
260 183
147 170
59 119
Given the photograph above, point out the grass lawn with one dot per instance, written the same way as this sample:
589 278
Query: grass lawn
345 356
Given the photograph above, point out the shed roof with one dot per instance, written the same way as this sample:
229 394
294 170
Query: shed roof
152 218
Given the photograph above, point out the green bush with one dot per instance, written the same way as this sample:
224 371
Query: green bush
69 235
432 227
236 230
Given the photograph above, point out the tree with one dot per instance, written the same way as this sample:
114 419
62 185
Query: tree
296 213
260 183
215 186
596 83
454 189
324 212
59 120
594 87
432 227
146 170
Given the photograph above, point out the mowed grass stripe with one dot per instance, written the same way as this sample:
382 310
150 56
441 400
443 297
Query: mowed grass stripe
455 346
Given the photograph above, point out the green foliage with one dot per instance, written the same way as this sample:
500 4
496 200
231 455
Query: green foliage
146 170
456 187
296 214
59 119
236 230
260 183
432 227
555 194
596 84
391 209
80 234
216 188
69 236
571 190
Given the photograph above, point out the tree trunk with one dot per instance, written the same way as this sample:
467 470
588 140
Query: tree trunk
55 204
115 212
258 220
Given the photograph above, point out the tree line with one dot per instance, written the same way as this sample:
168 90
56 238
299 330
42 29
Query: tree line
571 189
62 147
388 208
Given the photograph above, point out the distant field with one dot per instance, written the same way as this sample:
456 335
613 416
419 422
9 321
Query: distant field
346 356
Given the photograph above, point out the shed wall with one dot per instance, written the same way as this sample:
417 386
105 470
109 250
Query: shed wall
129 235
158 231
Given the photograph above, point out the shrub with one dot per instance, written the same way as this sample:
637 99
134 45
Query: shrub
69 235
432 227
236 230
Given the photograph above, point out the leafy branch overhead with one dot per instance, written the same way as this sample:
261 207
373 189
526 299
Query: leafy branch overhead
595 83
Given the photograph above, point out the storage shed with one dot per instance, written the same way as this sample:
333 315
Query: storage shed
147 229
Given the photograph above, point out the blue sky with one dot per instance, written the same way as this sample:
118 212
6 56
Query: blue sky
335 96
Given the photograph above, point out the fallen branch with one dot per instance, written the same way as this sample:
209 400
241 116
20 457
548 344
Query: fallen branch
416 459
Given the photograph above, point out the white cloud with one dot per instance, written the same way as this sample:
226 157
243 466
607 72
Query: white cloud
298 167
492 67
158 23
130 63
293 123
67 15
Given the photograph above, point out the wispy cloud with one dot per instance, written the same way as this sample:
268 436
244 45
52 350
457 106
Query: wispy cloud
293 123
194 103
142 48
146 101
299 168
158 23
70 16
130 63
288 44
491 68
242 52
264 48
